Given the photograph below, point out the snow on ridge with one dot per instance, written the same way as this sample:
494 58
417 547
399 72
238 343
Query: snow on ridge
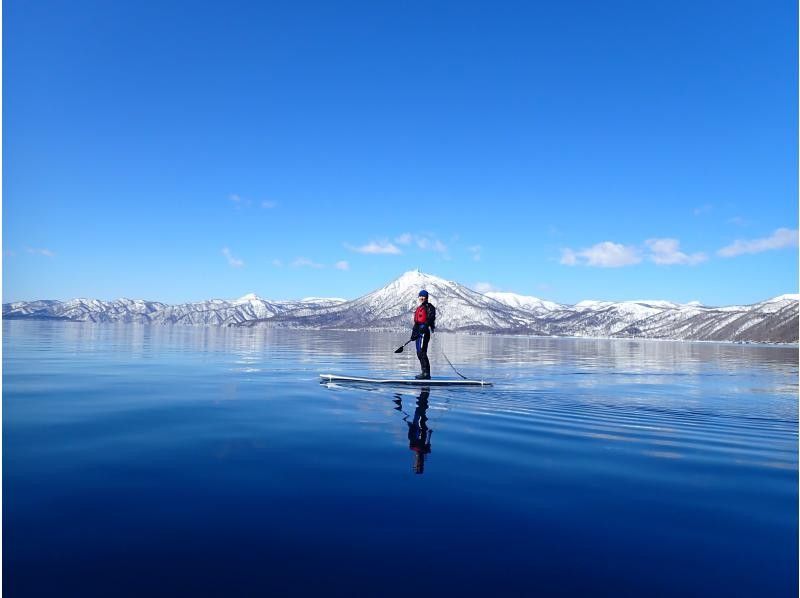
784 297
323 300
523 301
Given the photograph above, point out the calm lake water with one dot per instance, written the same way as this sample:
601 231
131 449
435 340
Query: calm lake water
164 461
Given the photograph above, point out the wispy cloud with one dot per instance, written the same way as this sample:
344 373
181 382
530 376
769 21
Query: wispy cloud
484 287
704 209
376 248
475 250
602 255
738 221
303 262
238 201
342 265
667 252
780 239
426 242
277 263
232 261
568 257
40 251
244 202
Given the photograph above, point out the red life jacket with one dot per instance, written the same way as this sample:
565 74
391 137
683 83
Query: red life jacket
421 315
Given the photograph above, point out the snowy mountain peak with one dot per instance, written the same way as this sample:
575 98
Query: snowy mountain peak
247 298
412 282
414 278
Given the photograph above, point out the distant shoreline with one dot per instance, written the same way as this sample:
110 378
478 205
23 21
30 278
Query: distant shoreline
794 345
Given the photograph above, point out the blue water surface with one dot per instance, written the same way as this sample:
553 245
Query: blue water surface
200 461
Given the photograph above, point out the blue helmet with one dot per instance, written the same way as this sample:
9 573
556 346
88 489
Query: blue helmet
423 293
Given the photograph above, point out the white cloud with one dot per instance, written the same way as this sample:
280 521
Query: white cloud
780 239
232 261
404 239
303 262
342 265
475 250
235 198
602 255
268 205
376 248
484 287
40 251
667 252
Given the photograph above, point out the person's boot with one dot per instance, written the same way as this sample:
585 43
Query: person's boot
422 376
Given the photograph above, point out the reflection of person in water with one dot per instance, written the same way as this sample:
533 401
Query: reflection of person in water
419 436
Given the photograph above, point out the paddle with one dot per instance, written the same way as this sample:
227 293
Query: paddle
400 349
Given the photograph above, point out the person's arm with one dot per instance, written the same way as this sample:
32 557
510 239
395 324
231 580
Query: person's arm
431 313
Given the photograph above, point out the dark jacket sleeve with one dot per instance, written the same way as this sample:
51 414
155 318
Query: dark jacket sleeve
431 316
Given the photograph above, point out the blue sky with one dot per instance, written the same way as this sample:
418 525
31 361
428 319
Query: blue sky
570 150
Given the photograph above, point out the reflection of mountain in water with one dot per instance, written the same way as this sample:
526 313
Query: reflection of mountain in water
459 309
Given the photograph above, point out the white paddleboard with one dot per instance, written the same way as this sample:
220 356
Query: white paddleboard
412 381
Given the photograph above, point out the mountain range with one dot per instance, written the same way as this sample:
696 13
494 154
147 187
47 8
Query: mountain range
459 309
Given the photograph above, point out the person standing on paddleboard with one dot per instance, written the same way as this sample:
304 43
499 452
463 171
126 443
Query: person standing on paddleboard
424 324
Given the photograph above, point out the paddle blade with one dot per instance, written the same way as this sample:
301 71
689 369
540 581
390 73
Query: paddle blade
399 349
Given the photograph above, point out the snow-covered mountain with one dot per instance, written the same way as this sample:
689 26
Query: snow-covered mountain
85 310
458 309
389 308
214 312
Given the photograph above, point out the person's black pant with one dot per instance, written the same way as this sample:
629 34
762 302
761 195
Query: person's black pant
422 352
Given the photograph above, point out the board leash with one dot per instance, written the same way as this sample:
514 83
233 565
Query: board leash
454 367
